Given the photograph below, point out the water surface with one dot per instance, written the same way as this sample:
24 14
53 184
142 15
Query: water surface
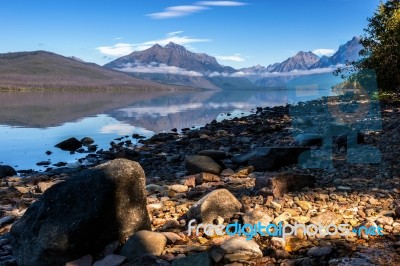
31 123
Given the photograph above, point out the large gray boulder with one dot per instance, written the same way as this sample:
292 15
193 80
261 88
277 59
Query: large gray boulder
199 163
144 242
82 215
220 202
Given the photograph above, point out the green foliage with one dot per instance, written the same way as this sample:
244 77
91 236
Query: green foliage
382 45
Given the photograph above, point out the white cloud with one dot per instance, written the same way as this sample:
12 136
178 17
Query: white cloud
121 49
221 3
174 33
321 52
234 58
176 11
159 69
180 11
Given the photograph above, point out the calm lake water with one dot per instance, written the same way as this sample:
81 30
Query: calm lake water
31 123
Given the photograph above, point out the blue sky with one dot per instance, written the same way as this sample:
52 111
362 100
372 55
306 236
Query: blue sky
239 33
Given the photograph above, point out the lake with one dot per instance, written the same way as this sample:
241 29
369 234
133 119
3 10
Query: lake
31 123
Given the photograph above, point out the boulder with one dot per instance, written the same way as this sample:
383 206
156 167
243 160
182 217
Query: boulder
82 215
6 170
220 202
144 242
199 163
271 158
214 154
238 248
71 144
277 184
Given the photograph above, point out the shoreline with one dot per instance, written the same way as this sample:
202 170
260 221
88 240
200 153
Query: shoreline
372 190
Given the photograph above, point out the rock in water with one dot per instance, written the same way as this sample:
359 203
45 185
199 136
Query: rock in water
199 163
82 215
220 202
71 144
6 170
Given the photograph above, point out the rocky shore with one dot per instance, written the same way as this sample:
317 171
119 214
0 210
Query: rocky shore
113 211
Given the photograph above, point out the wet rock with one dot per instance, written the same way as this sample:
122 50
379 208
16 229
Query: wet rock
6 170
200 259
238 248
198 163
279 184
71 144
87 141
144 242
82 215
220 202
214 154
6 220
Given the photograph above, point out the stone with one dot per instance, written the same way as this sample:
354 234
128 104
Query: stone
278 184
199 163
200 259
87 141
179 188
214 154
385 220
172 237
6 170
71 144
301 219
84 261
318 252
206 177
82 215
308 139
111 260
271 158
43 186
326 218
256 216
293 243
144 242
238 248
282 218
304 205
219 202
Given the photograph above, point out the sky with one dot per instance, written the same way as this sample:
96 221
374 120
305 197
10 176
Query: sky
238 33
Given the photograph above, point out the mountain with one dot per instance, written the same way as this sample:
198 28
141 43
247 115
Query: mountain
173 64
41 69
301 61
347 53
172 55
